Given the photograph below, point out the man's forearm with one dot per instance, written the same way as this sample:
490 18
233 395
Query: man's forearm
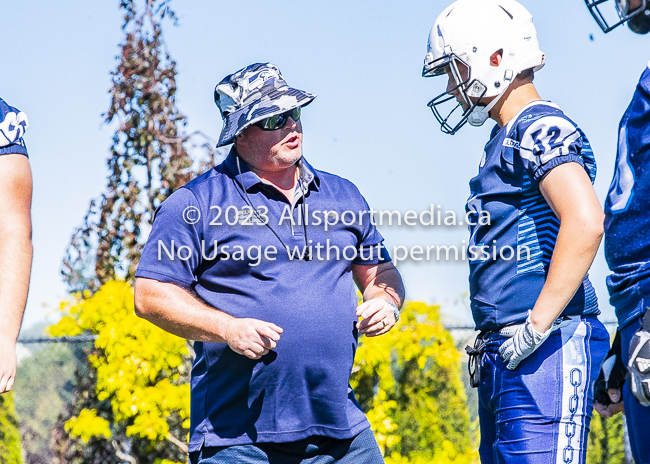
574 252
177 311
388 285
15 269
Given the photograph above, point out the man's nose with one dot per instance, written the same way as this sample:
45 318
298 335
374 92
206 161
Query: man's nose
452 87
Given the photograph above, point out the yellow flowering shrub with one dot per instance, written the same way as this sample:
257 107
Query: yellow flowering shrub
409 383
139 366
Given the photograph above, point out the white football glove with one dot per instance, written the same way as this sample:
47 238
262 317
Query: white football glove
523 341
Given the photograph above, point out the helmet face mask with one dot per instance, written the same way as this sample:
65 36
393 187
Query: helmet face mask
465 95
609 14
639 23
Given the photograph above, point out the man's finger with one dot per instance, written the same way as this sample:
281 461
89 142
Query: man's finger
268 343
3 384
10 383
614 394
251 354
361 308
602 410
372 325
615 408
268 332
376 318
258 348
377 328
277 329
373 308
374 333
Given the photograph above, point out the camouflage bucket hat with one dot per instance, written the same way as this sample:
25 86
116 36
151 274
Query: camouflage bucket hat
251 94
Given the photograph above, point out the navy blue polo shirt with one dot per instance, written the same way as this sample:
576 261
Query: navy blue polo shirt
225 254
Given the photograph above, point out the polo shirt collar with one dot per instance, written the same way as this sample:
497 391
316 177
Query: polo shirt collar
248 178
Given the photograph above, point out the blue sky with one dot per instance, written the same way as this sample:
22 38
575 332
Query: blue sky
369 123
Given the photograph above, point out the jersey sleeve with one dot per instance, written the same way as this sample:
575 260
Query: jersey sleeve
173 252
549 142
13 124
370 248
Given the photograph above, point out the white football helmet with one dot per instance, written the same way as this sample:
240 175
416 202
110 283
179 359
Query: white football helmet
462 40
609 14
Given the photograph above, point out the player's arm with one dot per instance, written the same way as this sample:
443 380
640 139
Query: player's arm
162 289
177 311
15 257
568 190
553 152
570 194
383 295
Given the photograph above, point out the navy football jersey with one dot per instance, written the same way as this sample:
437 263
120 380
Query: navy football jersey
513 229
627 210
13 124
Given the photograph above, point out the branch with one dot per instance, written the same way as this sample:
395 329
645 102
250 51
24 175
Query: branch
121 455
172 140
183 446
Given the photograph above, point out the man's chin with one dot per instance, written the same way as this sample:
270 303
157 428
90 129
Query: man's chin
288 156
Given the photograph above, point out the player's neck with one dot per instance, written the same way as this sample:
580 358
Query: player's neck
515 99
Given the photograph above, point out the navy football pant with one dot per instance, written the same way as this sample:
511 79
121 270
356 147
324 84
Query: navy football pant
539 413
636 416
362 449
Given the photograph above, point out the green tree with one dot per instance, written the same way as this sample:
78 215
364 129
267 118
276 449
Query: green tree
10 451
42 391
149 159
410 385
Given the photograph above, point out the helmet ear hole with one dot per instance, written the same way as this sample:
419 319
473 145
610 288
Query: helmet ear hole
496 58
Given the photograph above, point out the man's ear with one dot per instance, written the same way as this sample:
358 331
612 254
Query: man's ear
496 58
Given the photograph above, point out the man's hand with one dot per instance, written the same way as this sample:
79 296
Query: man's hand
522 343
377 317
614 406
608 400
7 364
251 337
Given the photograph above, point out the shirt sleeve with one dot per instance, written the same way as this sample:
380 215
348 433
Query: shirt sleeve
370 249
173 251
549 142
13 124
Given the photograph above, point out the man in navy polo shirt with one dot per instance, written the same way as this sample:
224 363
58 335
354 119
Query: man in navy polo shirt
15 236
256 261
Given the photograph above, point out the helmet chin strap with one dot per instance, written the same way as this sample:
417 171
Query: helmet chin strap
480 114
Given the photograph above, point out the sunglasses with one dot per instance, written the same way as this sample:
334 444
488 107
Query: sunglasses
278 121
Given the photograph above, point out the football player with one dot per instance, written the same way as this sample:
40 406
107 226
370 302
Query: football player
627 246
540 343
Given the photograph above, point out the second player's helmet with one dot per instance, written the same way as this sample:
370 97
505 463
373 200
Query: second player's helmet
463 38
609 14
